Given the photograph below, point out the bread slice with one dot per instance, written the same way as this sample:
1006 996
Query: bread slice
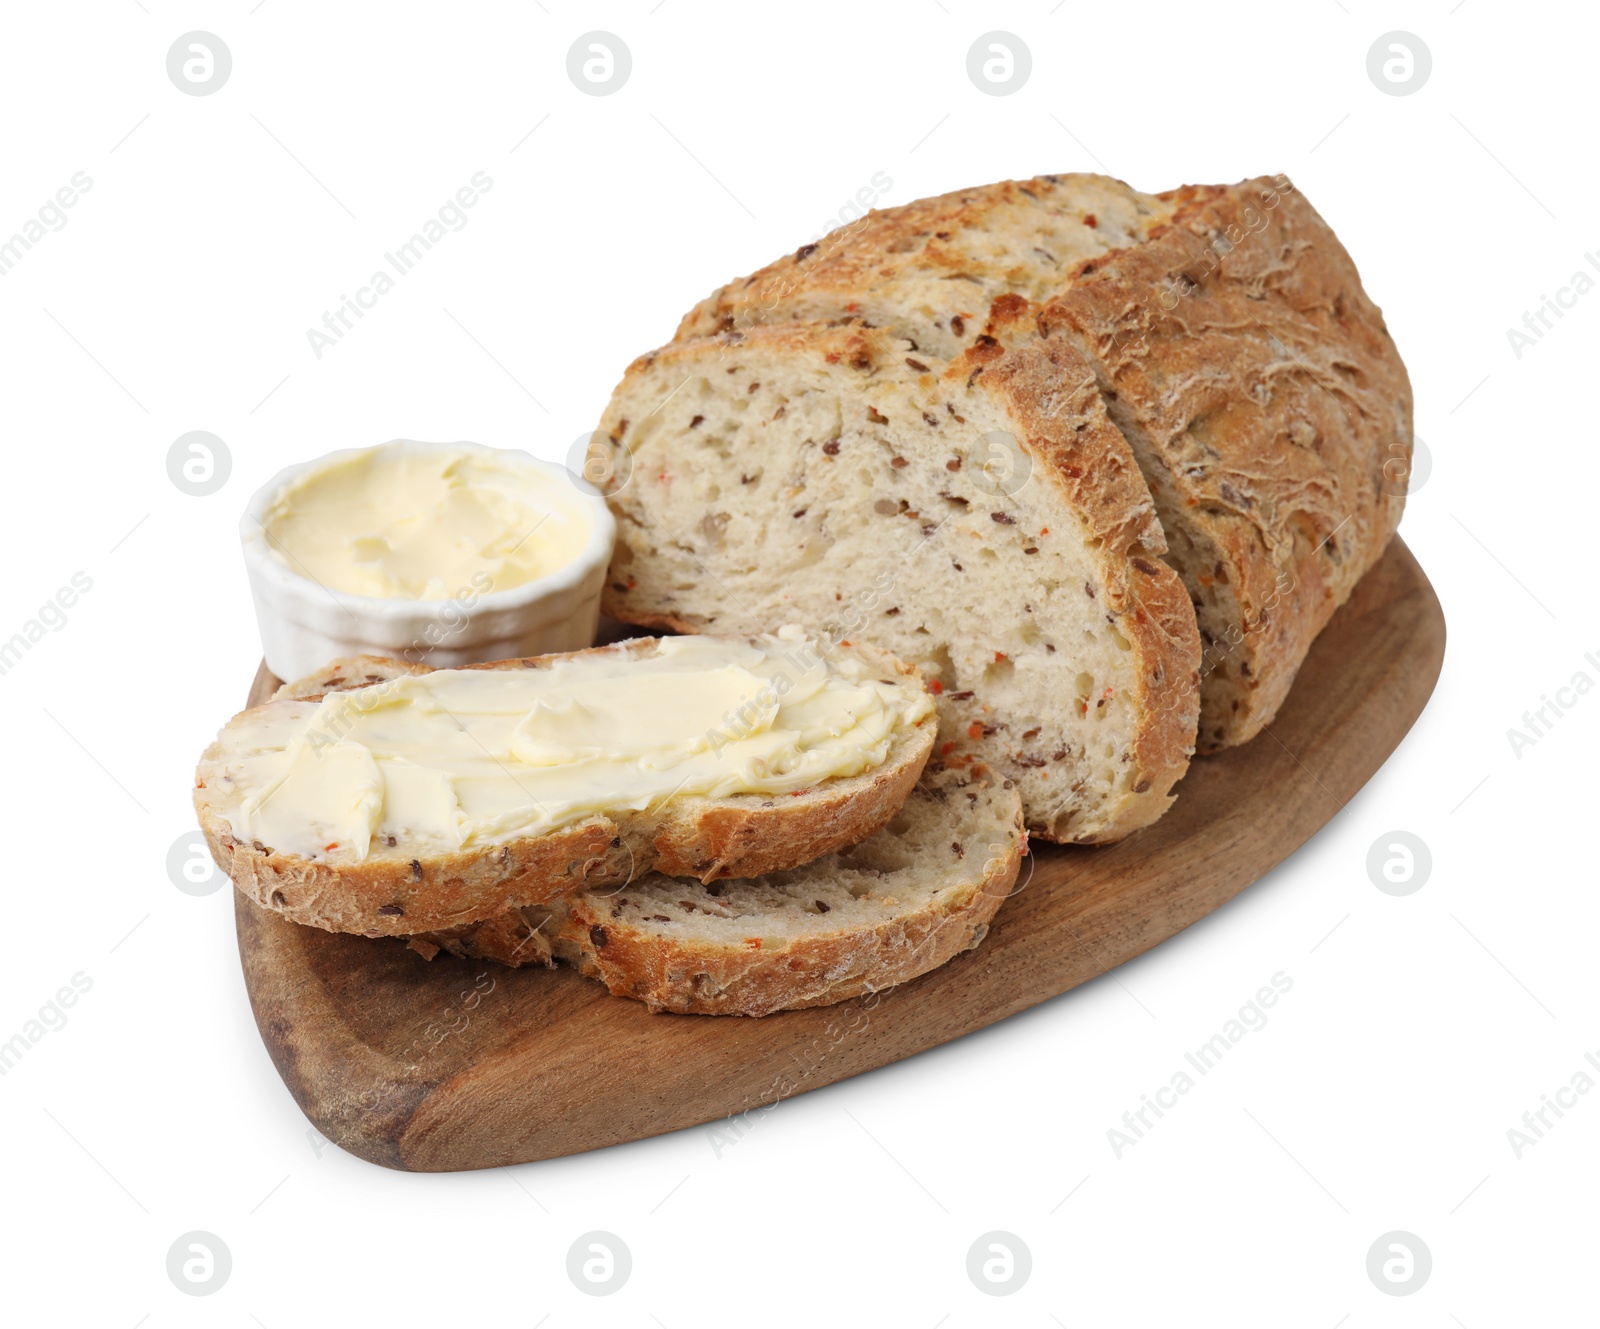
399 889
862 919
1230 336
985 520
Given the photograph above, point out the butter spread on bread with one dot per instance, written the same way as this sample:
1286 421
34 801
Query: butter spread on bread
458 759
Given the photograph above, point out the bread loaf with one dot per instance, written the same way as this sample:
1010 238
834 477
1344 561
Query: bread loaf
1227 331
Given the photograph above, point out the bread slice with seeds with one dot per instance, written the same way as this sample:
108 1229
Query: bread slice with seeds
1229 333
402 887
985 520
860 920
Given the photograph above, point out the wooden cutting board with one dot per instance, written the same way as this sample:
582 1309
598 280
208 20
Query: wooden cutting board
445 1065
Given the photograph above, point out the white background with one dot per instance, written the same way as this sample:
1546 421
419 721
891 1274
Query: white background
178 296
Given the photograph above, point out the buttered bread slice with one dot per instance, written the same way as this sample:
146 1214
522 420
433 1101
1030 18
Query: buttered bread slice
403 799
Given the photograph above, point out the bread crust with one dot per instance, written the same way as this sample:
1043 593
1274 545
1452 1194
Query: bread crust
706 838
694 980
926 241
1048 391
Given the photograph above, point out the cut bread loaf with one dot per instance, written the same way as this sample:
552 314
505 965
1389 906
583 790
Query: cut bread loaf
402 886
896 905
984 519
1226 328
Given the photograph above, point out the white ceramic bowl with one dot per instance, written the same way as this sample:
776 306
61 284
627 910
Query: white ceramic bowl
304 625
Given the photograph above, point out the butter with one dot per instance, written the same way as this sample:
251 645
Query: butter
419 523
463 759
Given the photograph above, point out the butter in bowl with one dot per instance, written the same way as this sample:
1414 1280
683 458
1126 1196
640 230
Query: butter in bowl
438 553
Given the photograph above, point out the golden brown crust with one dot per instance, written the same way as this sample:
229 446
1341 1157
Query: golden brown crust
1240 352
743 835
386 897
930 241
691 980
